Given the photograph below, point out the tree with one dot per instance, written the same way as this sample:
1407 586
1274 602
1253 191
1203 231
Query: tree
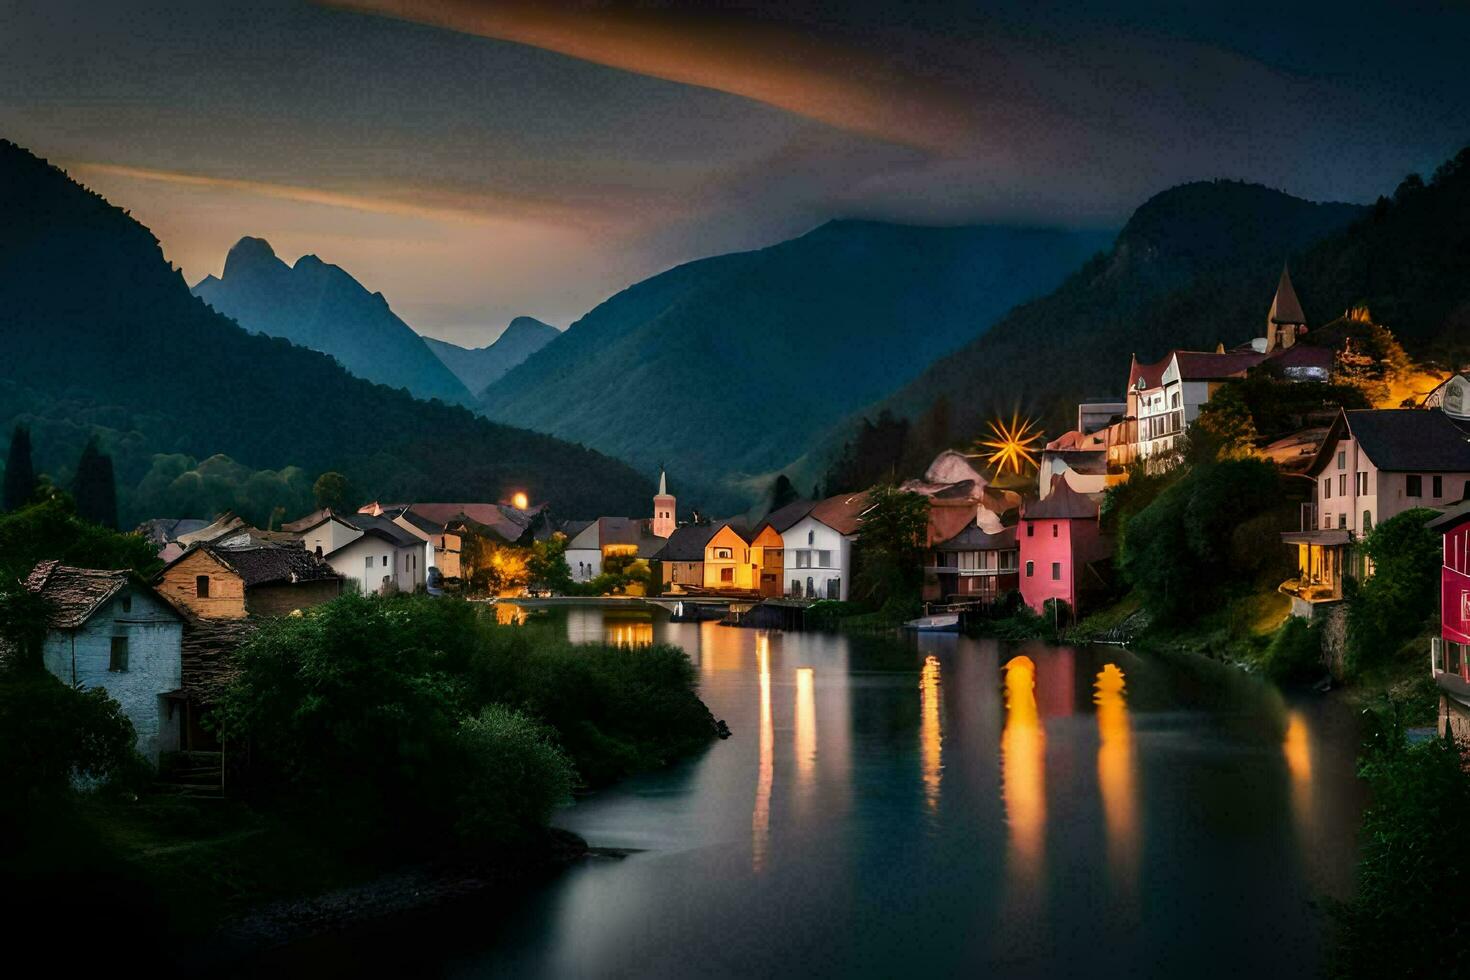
50 528
1395 603
783 492
547 566
20 472
872 456
94 488
891 546
332 490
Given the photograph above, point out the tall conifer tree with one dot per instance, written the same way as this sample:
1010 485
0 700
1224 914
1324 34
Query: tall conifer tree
95 490
20 472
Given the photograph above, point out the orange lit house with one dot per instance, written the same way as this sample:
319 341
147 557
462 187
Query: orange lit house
727 560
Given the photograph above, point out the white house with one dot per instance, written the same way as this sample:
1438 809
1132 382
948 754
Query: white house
584 553
818 548
112 632
375 552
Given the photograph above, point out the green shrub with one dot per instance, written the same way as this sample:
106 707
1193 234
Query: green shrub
51 734
1404 919
516 775
1394 603
1294 652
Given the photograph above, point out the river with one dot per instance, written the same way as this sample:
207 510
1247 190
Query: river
939 805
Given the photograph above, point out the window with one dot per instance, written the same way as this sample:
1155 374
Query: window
1436 486
1342 484
824 559
1327 489
1054 531
1174 400
127 602
385 561
367 562
318 551
727 575
1413 485
1030 568
811 537
1056 571
1367 521
723 553
1030 529
201 586
118 661
1342 520
1362 484
1342 459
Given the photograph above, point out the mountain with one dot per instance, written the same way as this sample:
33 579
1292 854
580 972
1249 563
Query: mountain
724 365
479 367
102 335
1194 266
318 305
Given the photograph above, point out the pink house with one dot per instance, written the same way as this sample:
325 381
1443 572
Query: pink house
1060 539
1373 465
1449 655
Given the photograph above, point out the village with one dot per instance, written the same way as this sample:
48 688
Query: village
1030 535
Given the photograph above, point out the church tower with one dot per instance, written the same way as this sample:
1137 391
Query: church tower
663 508
1286 319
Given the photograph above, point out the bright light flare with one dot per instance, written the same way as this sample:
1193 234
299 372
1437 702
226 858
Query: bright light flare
1011 444
520 501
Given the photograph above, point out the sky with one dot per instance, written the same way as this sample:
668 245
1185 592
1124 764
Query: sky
475 160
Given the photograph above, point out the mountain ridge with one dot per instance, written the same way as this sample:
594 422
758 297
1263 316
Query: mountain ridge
479 367
319 305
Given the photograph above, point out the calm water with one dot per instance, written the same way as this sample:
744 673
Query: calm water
940 805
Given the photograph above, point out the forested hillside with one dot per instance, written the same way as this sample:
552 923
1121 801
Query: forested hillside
102 335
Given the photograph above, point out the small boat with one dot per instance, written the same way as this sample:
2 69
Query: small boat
938 623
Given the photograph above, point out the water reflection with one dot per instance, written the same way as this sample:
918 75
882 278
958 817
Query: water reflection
1115 775
806 730
1298 751
1023 779
760 821
509 614
931 739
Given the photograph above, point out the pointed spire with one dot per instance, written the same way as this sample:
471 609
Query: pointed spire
1285 307
663 486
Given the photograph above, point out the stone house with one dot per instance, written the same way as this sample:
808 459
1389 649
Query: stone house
211 582
112 631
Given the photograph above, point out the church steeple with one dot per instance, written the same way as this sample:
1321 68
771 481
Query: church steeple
1286 319
663 508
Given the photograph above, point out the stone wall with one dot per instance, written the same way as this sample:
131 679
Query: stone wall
1332 621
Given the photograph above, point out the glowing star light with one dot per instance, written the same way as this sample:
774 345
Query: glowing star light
1011 444
519 501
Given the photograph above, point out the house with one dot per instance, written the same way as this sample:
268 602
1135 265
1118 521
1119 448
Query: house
973 563
727 560
609 537
163 534
109 630
442 546
1166 397
211 582
1373 465
230 530
1449 656
371 550
681 559
817 548
1060 542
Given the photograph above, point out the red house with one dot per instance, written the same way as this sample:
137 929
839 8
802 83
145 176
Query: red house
1449 656
1061 543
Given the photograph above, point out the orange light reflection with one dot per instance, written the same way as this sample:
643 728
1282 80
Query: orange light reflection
1115 774
931 737
1023 772
760 821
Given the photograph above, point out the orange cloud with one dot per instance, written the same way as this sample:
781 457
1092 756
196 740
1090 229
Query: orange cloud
836 85
414 202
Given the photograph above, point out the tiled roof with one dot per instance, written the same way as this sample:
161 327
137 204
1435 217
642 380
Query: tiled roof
76 594
1152 375
1061 504
842 513
687 543
1408 439
382 527
972 538
783 517
270 565
1205 366
1285 307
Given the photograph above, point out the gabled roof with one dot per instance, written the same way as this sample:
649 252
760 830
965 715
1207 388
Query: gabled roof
308 522
1452 517
76 594
1211 366
783 517
687 543
503 519
1152 375
276 565
1062 503
1401 440
1285 307
161 530
972 538
842 513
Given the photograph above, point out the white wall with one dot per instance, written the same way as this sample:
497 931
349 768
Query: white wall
811 535
329 536
585 563
403 564
155 636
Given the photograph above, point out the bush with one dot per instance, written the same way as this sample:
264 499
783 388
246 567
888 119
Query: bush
1413 869
1396 601
51 734
516 776
1294 653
